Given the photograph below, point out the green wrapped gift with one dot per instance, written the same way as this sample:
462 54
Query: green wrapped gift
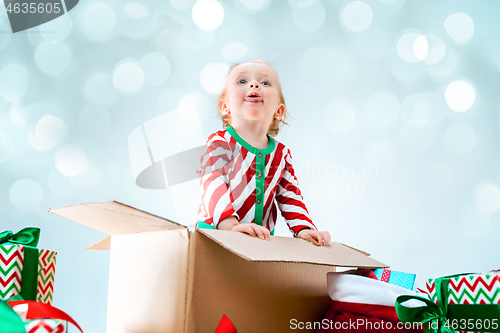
24 269
457 303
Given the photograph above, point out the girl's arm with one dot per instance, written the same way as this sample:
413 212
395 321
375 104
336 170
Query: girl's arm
214 182
293 209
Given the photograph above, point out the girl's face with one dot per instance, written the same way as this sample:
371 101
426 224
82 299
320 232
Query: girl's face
253 94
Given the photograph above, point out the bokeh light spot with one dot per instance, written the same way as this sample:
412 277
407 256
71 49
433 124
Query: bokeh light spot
52 57
460 139
436 49
100 90
460 96
137 22
213 76
128 77
421 47
70 160
309 16
208 14
156 68
339 117
357 16
382 110
406 47
6 146
13 81
460 27
94 120
26 192
50 130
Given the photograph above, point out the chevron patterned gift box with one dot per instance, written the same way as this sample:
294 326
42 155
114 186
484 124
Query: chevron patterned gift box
470 289
24 269
457 303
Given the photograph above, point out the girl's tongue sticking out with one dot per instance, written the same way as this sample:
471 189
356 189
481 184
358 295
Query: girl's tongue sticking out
253 98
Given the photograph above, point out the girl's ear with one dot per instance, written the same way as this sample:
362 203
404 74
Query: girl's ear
280 112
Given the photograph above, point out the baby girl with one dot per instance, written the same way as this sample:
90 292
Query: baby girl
245 173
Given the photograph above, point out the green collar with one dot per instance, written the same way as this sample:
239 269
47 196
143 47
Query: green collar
249 147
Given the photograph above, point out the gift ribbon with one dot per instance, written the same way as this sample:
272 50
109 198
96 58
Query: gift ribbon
28 237
445 314
11 322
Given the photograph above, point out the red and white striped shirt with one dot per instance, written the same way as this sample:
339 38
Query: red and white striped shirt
240 180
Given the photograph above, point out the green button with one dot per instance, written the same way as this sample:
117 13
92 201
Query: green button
258 201
260 155
259 175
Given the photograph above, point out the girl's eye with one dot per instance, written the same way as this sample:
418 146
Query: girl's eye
242 81
265 83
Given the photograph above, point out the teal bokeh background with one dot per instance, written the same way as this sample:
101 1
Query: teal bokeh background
394 124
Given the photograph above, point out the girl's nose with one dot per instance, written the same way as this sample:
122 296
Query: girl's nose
254 84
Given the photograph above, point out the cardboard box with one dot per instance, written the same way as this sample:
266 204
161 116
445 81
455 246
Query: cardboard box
163 278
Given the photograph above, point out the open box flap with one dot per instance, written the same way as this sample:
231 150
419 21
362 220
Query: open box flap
115 218
103 244
287 249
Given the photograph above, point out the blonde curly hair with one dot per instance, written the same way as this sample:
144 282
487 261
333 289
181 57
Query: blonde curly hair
276 124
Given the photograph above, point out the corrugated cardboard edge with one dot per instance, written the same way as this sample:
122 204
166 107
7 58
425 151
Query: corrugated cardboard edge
382 265
51 210
355 249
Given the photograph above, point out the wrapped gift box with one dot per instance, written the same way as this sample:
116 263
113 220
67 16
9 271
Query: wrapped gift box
26 270
20 316
40 325
402 279
469 289
164 278
466 302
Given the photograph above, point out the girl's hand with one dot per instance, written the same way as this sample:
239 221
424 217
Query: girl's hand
323 237
253 230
